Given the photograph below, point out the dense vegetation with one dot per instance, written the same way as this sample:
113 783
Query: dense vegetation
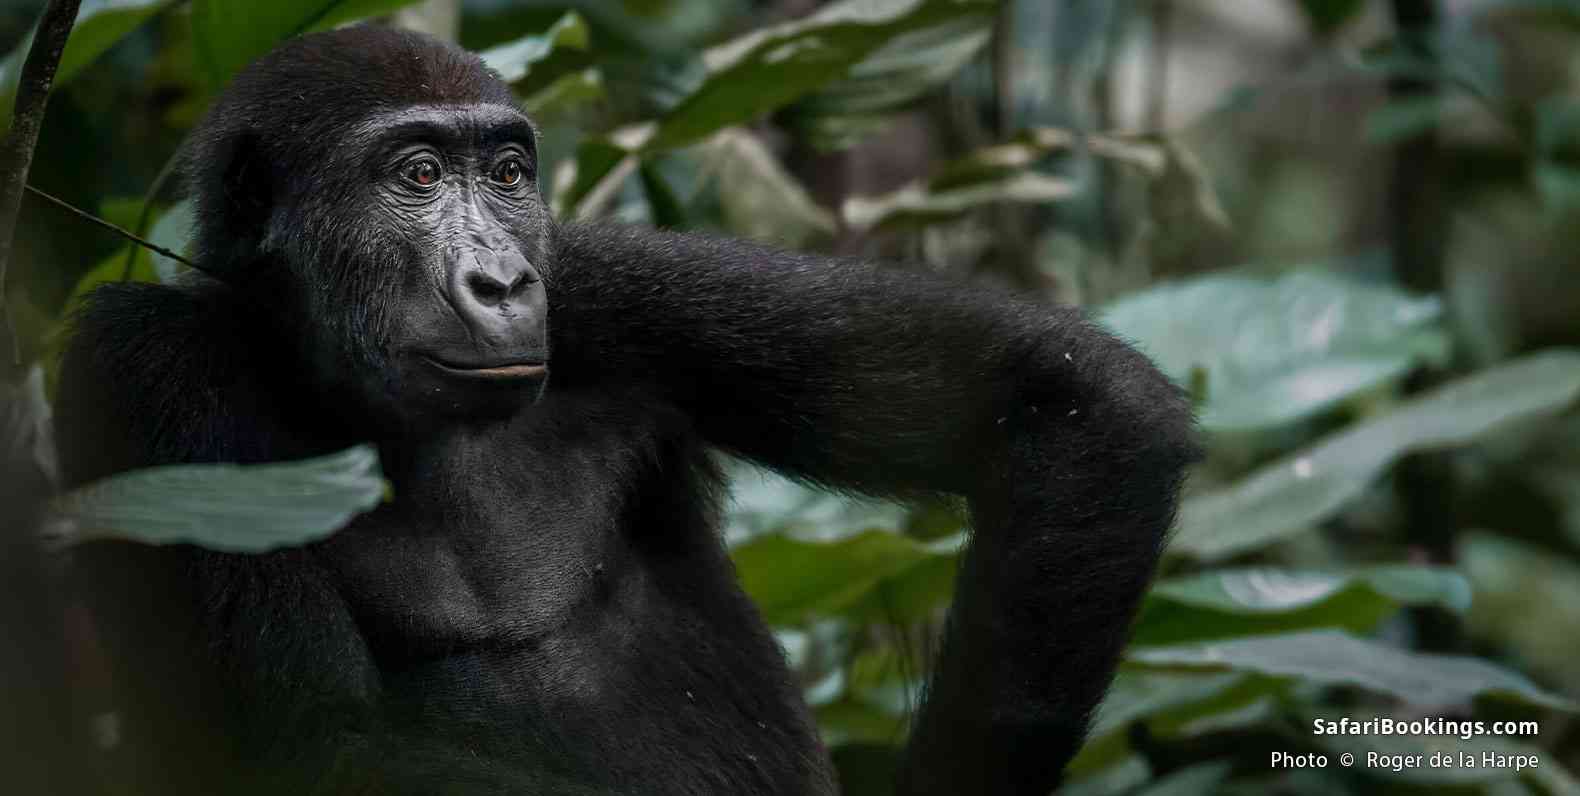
1347 227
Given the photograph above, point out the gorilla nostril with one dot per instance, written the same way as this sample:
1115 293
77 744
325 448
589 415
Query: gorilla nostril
528 275
486 289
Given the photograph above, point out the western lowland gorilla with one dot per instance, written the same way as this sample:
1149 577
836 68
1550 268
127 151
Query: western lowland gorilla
545 605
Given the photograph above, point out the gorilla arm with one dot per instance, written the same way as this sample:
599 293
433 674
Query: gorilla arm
1069 446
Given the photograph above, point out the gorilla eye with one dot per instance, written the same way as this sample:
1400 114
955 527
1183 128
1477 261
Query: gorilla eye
423 173
509 172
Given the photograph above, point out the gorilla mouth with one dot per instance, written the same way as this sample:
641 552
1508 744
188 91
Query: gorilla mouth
493 371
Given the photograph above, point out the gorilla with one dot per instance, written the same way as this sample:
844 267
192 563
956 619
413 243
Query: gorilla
545 605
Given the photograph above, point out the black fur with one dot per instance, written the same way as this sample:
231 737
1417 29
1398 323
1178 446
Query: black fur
546 606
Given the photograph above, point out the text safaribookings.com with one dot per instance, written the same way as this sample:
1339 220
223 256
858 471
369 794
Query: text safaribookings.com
1425 728
1464 729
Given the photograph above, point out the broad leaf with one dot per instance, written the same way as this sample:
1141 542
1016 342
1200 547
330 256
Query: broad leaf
229 34
1329 15
760 199
1527 603
172 229
771 67
1136 695
747 77
1201 779
915 203
1339 659
100 24
514 60
1121 775
564 96
227 507
792 580
1300 490
1242 602
764 502
1274 352
894 75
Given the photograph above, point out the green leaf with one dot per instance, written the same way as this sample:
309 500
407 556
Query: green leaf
1278 351
1139 694
764 502
917 204
1271 591
667 211
1330 15
896 74
849 722
1527 603
1406 118
1339 659
172 229
1122 776
514 60
1201 778
1298 491
793 580
100 24
760 199
229 34
566 95
585 184
1566 10
770 67
227 507
1243 602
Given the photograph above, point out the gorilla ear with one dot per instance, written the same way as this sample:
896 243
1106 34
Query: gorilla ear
233 188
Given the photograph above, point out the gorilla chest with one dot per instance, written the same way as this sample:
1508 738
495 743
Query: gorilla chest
491 555
567 612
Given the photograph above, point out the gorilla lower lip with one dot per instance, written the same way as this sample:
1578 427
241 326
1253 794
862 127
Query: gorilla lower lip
514 370
508 372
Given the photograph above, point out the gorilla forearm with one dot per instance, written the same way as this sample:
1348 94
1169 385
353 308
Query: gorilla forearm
1066 540
1069 445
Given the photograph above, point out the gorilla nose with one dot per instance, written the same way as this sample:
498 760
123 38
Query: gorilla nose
498 277
500 297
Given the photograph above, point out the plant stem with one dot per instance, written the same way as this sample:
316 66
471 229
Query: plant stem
16 152
93 219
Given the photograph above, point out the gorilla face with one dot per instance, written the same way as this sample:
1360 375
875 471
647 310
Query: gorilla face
402 243
454 192
427 222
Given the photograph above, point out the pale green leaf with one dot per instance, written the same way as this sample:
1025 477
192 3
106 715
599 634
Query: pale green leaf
1244 602
513 60
1339 659
917 203
227 507
760 198
1300 490
1276 351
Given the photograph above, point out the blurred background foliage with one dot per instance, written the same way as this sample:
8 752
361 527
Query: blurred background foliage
1348 227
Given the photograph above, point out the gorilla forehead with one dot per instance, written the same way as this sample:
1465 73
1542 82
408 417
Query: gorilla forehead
484 125
363 71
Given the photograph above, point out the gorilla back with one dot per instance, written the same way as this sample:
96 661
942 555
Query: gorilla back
546 605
